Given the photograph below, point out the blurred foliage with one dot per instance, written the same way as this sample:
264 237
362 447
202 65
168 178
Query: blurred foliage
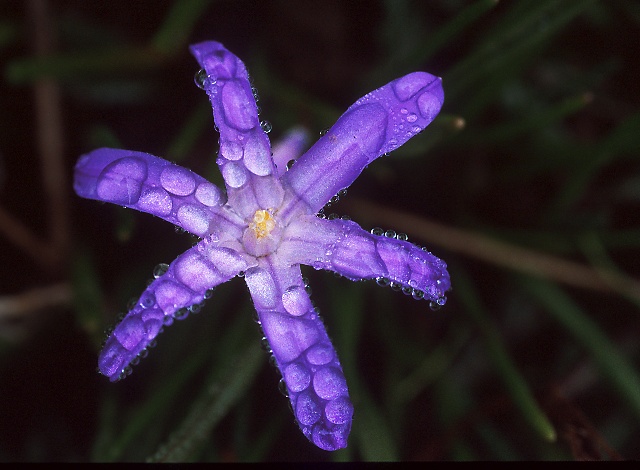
536 147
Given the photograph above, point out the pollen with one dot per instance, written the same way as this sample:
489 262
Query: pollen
263 223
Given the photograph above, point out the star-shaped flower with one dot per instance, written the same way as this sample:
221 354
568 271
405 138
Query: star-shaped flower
267 224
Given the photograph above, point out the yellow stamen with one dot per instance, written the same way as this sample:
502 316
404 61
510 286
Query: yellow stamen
262 224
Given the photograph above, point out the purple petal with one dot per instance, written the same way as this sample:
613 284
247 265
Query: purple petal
245 151
153 185
184 284
343 247
303 352
377 123
289 148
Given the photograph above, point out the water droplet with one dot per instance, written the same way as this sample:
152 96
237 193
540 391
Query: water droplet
147 300
417 294
195 308
402 236
282 388
264 344
404 110
254 92
345 217
201 79
390 234
434 306
241 274
266 126
290 164
307 288
407 290
272 361
383 281
412 118
377 231
324 131
332 216
342 193
131 303
209 293
160 269
396 287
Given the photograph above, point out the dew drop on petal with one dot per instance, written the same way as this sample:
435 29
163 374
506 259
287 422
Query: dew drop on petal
156 201
320 354
200 78
295 301
231 150
193 219
177 180
266 126
339 411
208 194
329 383
234 174
297 377
160 269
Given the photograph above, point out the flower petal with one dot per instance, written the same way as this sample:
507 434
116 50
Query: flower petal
289 148
343 247
245 151
303 352
153 185
183 284
377 123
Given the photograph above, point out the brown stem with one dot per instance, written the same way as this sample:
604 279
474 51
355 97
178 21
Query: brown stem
50 134
24 238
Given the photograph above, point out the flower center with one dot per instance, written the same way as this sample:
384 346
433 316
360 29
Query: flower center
262 236
263 223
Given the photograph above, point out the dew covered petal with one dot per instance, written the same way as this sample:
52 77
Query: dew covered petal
376 124
303 353
153 185
182 284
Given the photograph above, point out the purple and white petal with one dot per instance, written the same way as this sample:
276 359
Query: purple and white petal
182 284
153 185
343 247
303 352
245 151
289 148
377 123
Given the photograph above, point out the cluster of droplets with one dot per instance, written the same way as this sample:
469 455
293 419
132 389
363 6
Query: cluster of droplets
410 129
322 212
417 294
147 300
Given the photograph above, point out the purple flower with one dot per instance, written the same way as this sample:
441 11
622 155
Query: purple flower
266 225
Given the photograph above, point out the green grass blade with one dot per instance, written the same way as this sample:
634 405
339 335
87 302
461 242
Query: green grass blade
514 381
611 362
211 407
172 36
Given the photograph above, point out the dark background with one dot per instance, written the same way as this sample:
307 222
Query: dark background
527 184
